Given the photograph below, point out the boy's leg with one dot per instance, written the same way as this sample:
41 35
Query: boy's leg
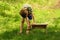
28 25
21 26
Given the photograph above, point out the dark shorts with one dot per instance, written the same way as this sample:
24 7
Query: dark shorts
24 16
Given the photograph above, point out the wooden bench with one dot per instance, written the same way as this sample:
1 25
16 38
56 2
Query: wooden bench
40 25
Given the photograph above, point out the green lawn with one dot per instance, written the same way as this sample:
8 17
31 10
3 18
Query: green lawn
10 20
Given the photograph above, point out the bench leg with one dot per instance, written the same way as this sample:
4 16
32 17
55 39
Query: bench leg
46 31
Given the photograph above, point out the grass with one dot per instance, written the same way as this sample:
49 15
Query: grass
10 20
35 34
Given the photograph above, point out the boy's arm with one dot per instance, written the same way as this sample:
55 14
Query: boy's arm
33 18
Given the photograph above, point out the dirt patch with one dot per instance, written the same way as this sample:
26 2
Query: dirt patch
57 5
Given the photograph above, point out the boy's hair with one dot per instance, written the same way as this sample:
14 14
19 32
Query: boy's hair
26 5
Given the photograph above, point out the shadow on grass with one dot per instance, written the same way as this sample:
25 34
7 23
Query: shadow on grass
8 35
34 35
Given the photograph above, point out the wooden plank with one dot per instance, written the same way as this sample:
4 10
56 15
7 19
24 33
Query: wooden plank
39 25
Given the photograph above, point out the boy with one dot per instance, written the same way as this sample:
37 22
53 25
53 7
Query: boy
26 13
